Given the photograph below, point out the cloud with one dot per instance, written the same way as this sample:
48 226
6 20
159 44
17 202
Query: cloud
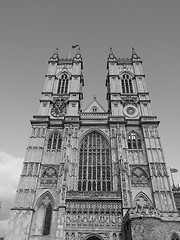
10 169
3 227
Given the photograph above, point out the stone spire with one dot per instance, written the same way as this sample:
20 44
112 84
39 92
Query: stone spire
55 56
134 55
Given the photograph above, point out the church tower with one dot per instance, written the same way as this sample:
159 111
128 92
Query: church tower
94 174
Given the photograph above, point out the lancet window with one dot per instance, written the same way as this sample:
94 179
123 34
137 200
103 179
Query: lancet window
126 82
134 141
94 164
47 220
63 84
54 142
43 216
135 150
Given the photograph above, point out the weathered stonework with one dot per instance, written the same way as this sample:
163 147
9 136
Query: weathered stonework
94 174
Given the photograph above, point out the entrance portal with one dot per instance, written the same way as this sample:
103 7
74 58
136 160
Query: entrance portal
93 238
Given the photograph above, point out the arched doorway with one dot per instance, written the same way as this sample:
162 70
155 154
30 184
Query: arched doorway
93 238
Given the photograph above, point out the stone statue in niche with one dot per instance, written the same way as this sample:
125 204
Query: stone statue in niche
142 204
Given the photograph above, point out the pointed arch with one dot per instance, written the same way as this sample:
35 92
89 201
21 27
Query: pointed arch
139 177
43 196
126 71
126 82
43 214
93 235
94 162
92 130
142 202
63 82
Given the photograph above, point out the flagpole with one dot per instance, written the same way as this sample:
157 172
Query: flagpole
70 53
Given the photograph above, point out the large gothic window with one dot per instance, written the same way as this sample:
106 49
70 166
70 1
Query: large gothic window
63 84
54 142
94 164
126 81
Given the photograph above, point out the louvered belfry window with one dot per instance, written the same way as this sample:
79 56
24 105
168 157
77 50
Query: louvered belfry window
126 81
63 84
94 164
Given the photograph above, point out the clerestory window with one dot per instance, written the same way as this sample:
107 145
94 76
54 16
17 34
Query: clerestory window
126 82
94 164
63 84
134 141
54 142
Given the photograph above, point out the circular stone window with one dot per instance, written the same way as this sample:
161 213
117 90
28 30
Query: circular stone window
130 111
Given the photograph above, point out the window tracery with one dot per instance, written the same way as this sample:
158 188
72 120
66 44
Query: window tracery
135 149
94 164
49 178
43 215
134 141
139 178
126 82
63 84
54 142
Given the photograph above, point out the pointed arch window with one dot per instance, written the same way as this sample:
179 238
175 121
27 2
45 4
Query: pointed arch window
47 220
126 82
134 141
54 142
94 164
43 216
63 84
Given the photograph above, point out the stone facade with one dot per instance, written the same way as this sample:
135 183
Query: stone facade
94 174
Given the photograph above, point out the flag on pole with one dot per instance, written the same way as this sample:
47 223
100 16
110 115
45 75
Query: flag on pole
75 46
173 170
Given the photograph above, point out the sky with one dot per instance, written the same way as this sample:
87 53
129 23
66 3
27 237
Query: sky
30 31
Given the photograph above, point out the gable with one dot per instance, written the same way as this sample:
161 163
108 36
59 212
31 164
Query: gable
94 107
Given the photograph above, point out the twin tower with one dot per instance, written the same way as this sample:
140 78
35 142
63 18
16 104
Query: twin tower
94 174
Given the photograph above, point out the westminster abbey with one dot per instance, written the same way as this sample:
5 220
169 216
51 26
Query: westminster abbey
94 174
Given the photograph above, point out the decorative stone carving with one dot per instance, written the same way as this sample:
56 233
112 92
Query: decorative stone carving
59 107
139 177
49 177
93 213
129 100
92 195
142 204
